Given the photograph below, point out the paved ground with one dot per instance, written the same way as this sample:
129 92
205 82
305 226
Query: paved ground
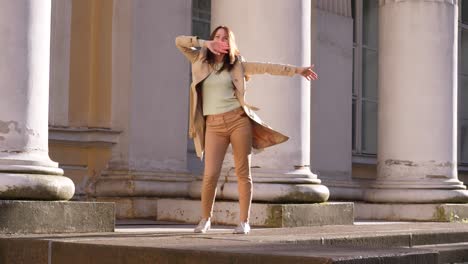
142 226
148 242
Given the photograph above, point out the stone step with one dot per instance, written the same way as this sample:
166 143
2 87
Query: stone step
411 212
384 236
45 217
262 214
78 253
450 253
227 212
424 243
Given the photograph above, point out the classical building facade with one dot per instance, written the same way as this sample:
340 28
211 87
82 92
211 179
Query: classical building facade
387 121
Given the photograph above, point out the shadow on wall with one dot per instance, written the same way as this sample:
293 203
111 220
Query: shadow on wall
463 174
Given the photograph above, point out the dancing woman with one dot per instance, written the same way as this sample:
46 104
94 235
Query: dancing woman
219 115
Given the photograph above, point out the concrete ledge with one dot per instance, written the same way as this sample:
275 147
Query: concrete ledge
40 217
265 215
412 212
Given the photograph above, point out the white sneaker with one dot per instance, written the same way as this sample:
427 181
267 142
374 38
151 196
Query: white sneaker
203 226
242 228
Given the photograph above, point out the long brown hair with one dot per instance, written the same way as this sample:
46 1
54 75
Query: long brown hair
230 58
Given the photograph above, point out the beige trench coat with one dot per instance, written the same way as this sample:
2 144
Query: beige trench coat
263 135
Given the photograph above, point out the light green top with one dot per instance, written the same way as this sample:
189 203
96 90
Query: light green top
218 93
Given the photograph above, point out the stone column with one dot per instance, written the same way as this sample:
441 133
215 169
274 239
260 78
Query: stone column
276 31
26 171
149 102
417 157
331 96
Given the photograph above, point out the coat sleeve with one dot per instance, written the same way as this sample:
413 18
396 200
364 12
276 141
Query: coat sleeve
187 45
251 68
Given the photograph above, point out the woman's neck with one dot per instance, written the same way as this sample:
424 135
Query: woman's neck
219 58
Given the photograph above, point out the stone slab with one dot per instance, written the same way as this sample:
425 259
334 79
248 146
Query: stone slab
412 212
224 252
340 244
453 253
24 251
262 214
45 217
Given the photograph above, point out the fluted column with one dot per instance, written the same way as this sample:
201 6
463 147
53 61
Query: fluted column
26 171
276 31
417 130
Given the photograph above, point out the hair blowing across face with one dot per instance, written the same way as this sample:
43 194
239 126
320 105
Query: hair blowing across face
229 58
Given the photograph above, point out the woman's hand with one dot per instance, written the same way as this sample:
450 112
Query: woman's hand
308 73
217 47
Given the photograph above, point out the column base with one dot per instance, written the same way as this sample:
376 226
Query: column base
33 163
366 190
415 196
277 186
262 214
35 187
126 183
301 175
437 212
44 217
269 192
133 207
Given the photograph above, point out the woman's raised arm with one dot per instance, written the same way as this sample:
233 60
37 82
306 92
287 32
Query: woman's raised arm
187 45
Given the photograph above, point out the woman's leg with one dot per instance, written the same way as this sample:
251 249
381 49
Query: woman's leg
216 144
241 140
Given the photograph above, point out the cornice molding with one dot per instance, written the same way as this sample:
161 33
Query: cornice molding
386 2
83 136
339 7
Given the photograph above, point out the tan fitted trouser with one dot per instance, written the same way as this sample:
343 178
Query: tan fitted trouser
231 127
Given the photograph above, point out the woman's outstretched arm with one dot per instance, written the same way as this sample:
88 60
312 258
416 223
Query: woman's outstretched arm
308 72
251 68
